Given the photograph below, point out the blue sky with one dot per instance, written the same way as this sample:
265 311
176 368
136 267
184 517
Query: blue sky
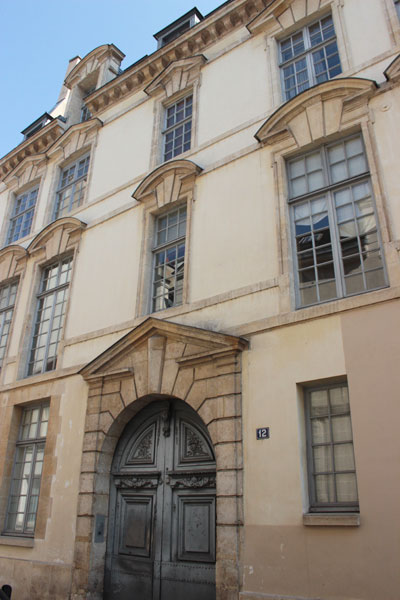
38 37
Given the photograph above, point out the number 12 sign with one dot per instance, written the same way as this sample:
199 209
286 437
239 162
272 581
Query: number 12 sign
262 433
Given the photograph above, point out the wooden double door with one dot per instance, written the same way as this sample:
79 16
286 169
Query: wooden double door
161 538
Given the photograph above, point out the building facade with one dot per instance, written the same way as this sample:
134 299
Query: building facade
199 315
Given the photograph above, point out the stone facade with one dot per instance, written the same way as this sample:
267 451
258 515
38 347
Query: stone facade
234 339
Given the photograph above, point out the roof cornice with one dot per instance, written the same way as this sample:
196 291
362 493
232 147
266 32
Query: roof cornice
229 17
37 144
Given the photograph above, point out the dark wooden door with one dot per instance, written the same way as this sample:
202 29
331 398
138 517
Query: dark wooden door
161 539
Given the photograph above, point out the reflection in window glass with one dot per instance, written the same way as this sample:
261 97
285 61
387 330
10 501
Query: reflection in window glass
336 238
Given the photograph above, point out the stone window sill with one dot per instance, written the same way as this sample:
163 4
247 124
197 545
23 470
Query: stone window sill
9 540
332 519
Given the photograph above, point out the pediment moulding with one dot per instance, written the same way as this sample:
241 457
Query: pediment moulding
75 138
12 261
28 170
149 340
392 73
107 54
57 238
229 17
37 144
282 15
168 183
318 112
23 165
175 78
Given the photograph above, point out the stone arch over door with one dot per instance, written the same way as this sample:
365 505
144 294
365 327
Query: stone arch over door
156 360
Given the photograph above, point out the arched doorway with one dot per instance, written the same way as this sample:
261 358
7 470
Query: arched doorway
161 538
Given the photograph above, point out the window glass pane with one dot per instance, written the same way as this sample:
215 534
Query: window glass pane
320 430
346 486
344 457
325 488
323 459
339 400
341 428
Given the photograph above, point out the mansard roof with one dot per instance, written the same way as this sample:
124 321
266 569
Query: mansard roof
228 17
37 143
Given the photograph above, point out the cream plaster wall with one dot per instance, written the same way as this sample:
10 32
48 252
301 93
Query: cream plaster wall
103 291
368 17
123 150
281 555
233 240
225 101
277 361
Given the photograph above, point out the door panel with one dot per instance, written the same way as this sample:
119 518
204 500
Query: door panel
161 541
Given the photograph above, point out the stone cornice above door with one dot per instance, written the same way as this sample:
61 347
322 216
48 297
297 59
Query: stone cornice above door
148 343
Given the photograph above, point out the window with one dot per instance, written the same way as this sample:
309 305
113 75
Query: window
397 4
71 191
335 236
308 57
169 259
332 472
22 215
51 305
27 471
178 127
7 300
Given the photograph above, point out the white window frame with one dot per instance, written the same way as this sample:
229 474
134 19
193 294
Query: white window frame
25 486
328 191
161 249
21 219
8 293
42 353
306 54
73 179
170 129
328 446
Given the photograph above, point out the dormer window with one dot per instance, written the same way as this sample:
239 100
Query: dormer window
178 27
85 112
36 126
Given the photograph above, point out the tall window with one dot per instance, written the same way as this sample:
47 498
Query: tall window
397 4
169 259
178 127
72 187
335 235
22 215
332 472
308 57
51 305
7 301
27 471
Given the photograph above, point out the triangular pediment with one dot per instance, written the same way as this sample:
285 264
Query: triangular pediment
147 343
318 112
392 73
178 76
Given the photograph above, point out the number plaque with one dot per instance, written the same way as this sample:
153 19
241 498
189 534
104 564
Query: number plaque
262 433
